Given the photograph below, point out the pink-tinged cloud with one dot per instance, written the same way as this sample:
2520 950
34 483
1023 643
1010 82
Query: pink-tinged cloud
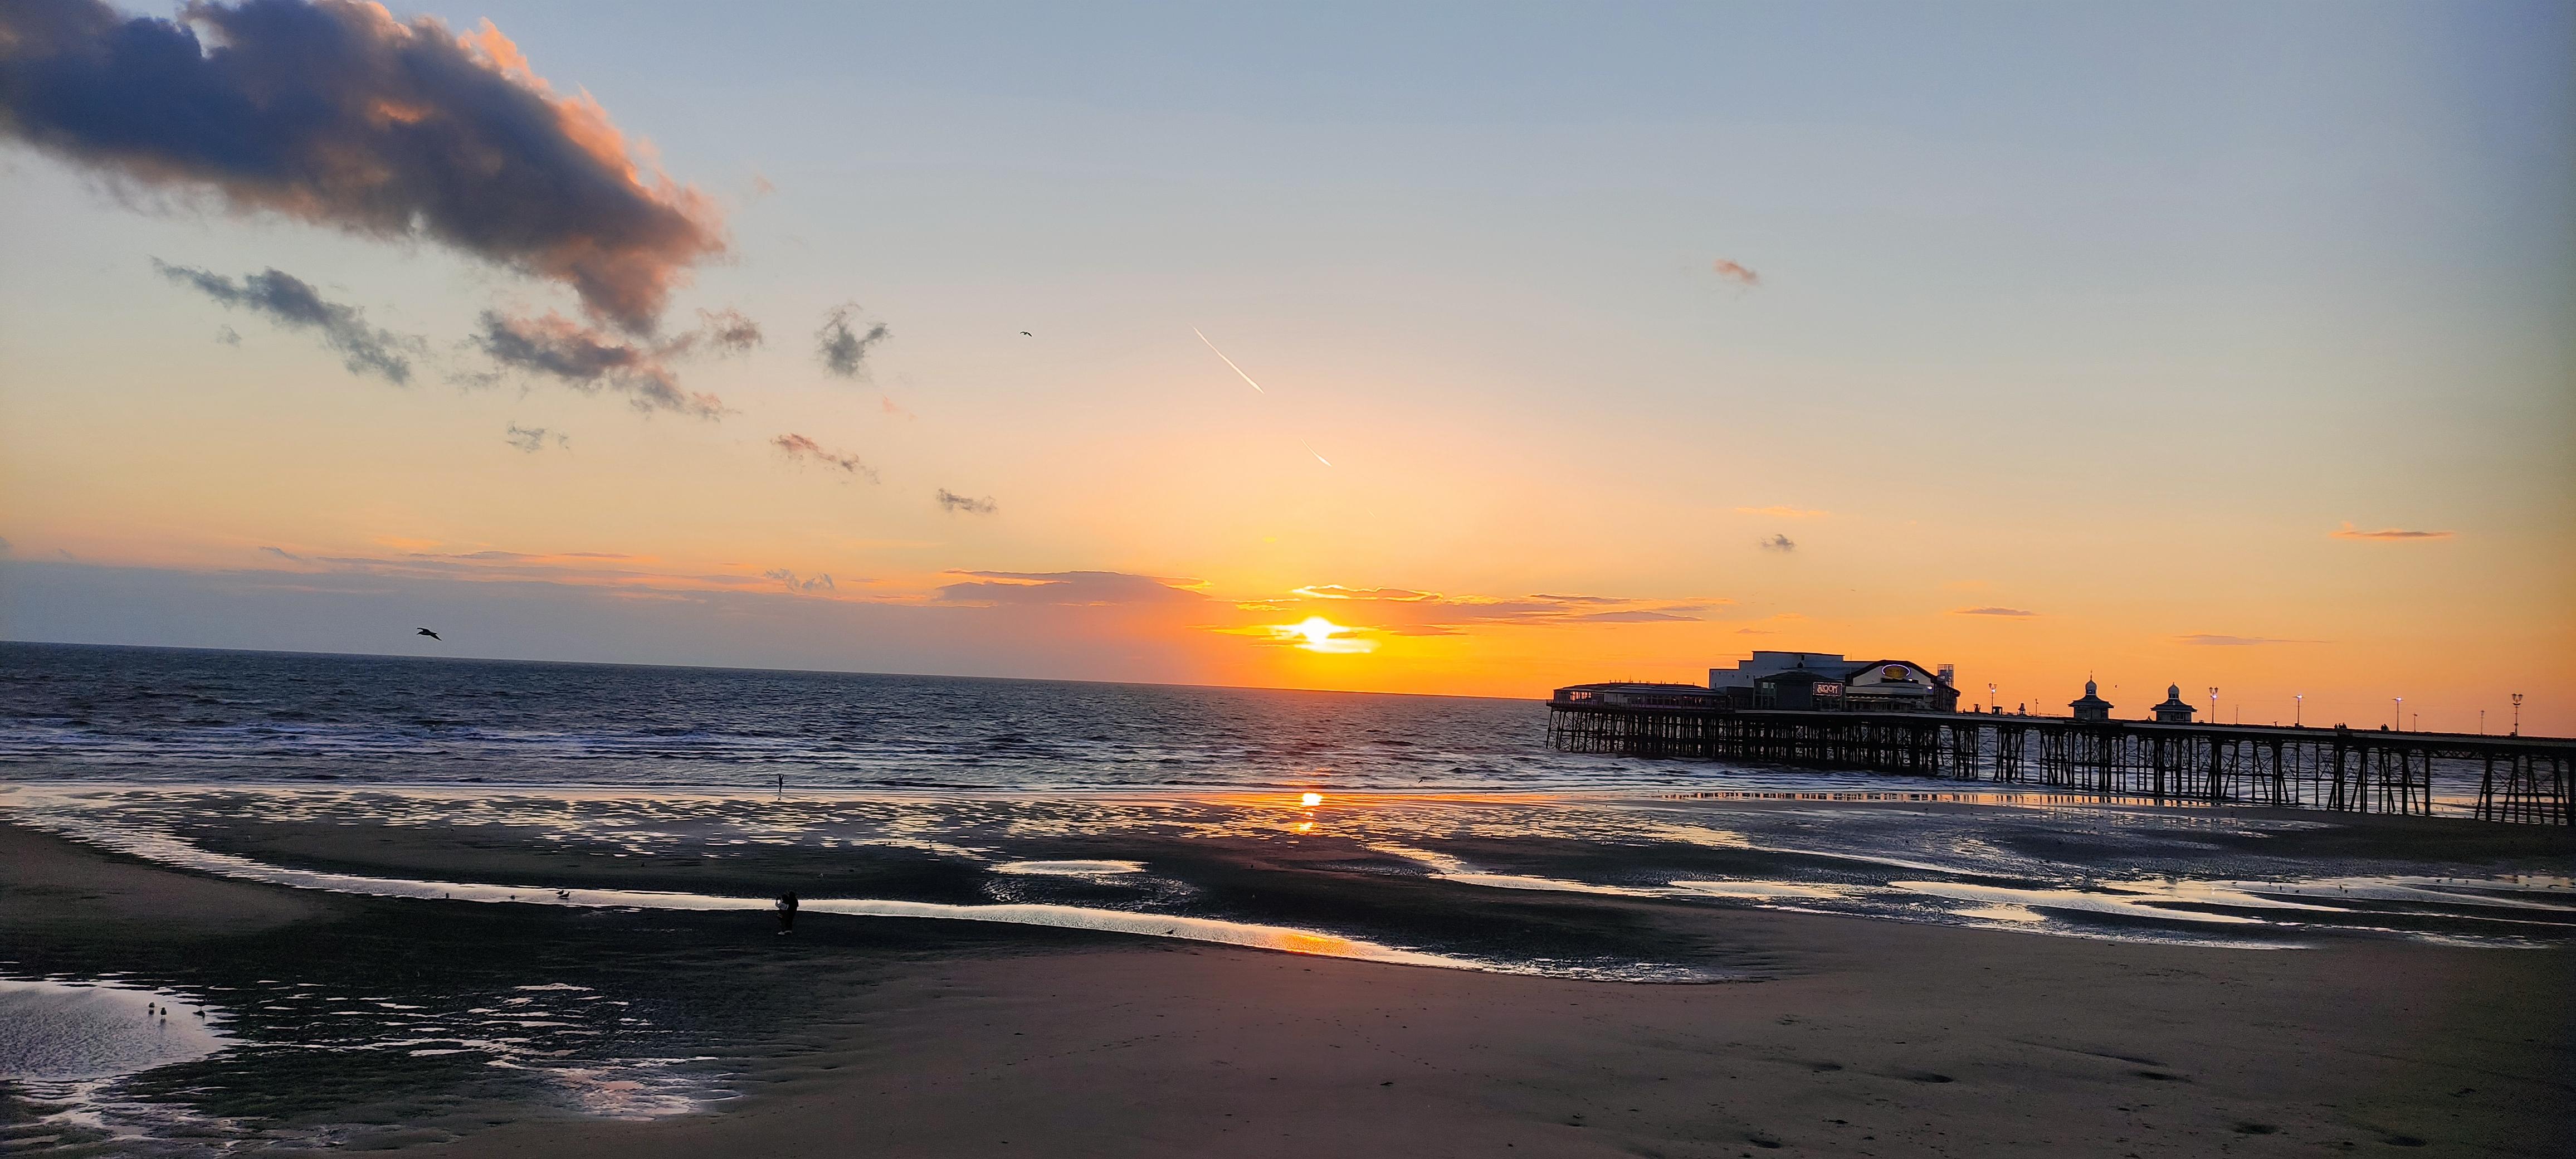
336 113
2006 612
1736 273
798 447
2387 534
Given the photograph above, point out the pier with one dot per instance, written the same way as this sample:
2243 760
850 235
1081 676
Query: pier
2514 778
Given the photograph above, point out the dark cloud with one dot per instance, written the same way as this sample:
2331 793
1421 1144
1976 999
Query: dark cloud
534 439
587 359
796 446
953 503
284 554
819 583
1778 543
1736 273
2014 612
1067 587
2348 531
336 113
291 302
844 350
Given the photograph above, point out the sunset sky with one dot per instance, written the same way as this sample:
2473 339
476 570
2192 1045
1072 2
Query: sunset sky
2211 344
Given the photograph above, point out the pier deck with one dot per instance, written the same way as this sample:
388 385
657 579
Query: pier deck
2511 778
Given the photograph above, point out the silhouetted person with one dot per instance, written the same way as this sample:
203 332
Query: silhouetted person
787 911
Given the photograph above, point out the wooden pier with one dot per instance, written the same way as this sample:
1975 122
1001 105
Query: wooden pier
2518 779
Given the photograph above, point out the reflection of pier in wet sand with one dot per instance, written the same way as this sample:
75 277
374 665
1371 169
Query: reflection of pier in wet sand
2495 778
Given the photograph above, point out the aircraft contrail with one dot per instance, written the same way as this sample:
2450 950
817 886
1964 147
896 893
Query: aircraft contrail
1256 387
1230 362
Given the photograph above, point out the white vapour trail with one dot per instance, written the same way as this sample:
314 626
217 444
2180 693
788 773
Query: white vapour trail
1247 379
1230 362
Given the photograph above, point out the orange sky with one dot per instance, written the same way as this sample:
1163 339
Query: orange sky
2266 386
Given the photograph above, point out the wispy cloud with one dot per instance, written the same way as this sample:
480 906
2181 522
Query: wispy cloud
588 359
1778 543
806 586
227 335
1068 587
1736 273
533 439
2348 531
1777 512
282 553
291 302
798 447
843 349
2016 613
2217 640
728 331
954 503
1410 612
1399 595
336 113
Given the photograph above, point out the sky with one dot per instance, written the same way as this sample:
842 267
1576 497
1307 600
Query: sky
1469 349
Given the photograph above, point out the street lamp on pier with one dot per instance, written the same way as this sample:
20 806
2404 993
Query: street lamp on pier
2517 714
2213 704
2397 713
1990 697
2298 710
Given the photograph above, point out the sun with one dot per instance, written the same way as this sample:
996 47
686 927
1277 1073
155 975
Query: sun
1317 634
1311 800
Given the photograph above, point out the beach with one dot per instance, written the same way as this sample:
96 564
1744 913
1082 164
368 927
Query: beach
1808 1033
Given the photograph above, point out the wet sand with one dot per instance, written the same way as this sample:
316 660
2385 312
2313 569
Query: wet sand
903 1037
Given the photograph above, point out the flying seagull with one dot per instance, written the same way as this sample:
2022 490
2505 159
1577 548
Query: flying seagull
1026 334
432 635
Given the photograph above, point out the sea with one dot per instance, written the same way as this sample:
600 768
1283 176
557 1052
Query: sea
154 714
1410 830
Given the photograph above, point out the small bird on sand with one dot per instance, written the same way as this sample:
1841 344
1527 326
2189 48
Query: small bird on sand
432 635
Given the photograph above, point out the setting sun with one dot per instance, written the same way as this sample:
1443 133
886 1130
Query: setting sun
1311 800
1317 634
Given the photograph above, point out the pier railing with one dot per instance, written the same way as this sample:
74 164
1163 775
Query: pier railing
2494 778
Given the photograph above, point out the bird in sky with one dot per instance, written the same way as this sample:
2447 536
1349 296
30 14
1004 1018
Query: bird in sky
1026 334
432 635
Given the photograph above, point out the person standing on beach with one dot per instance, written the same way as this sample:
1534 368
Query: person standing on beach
787 912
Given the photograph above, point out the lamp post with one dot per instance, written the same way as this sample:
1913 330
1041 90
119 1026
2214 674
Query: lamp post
2517 714
1990 697
2397 713
2299 710
2213 704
